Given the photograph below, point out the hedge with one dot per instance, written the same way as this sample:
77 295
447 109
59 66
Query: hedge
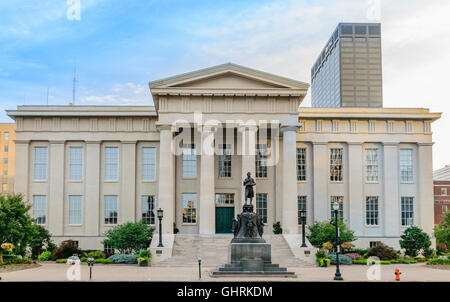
438 261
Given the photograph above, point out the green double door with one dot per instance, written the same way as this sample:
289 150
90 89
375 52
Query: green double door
224 217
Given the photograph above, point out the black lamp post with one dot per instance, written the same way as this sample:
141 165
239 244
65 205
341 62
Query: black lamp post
90 264
160 217
199 268
303 218
337 275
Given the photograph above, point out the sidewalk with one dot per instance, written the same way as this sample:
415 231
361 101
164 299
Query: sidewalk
119 272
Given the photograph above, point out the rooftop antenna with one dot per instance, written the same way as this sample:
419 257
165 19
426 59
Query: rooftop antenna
74 83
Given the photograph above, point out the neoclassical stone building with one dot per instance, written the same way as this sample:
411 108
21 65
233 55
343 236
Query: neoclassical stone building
85 169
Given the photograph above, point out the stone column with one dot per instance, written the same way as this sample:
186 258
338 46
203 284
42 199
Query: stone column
207 221
127 200
424 214
321 166
247 145
92 199
56 199
289 220
355 188
166 179
391 189
22 168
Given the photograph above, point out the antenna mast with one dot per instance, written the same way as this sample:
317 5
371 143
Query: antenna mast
74 83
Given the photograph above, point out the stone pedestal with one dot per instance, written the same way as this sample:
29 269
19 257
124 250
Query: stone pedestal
249 254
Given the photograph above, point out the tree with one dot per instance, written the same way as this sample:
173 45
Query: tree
41 238
129 237
414 240
321 232
442 230
15 222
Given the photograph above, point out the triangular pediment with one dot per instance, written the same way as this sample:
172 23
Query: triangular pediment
229 80
228 76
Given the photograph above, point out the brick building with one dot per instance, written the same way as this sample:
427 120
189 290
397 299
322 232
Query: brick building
441 181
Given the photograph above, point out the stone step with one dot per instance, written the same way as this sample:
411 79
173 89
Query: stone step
213 250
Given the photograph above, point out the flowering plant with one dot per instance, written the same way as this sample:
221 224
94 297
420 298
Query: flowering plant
346 245
7 247
327 245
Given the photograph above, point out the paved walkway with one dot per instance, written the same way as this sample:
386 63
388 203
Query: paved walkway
118 272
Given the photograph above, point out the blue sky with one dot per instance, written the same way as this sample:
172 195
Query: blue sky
119 46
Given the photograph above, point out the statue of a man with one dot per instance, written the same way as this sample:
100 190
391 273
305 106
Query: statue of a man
249 183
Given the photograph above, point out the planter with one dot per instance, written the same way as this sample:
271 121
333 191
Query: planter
143 263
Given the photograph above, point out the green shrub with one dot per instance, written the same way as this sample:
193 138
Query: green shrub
321 254
421 259
343 259
360 261
129 237
145 253
277 229
321 232
353 256
406 260
96 254
414 240
124 258
439 261
18 260
428 252
65 250
62 260
441 249
356 250
103 261
442 231
383 252
45 256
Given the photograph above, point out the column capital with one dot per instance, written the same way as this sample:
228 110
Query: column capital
249 128
21 141
160 127
425 144
285 128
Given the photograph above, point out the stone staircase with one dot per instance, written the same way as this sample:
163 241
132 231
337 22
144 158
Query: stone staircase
213 249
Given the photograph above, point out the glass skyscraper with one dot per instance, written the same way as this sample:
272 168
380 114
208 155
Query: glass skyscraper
348 71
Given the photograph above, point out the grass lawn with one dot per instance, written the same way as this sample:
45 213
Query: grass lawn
16 267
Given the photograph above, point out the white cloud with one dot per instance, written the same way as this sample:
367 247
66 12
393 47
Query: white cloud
121 94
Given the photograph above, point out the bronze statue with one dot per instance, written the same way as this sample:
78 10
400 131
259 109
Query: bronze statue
249 183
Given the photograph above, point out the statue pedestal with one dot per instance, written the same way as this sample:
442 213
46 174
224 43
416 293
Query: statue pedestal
249 254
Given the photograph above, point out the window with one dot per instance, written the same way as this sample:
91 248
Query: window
6 148
261 160
301 164
111 209
224 198
374 243
301 202
340 200
407 204
336 164
224 160
39 209
5 161
371 165
371 210
111 163
148 163
148 209
40 163
189 208
406 165
443 191
108 249
261 206
6 136
189 161
76 163
75 209
444 209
